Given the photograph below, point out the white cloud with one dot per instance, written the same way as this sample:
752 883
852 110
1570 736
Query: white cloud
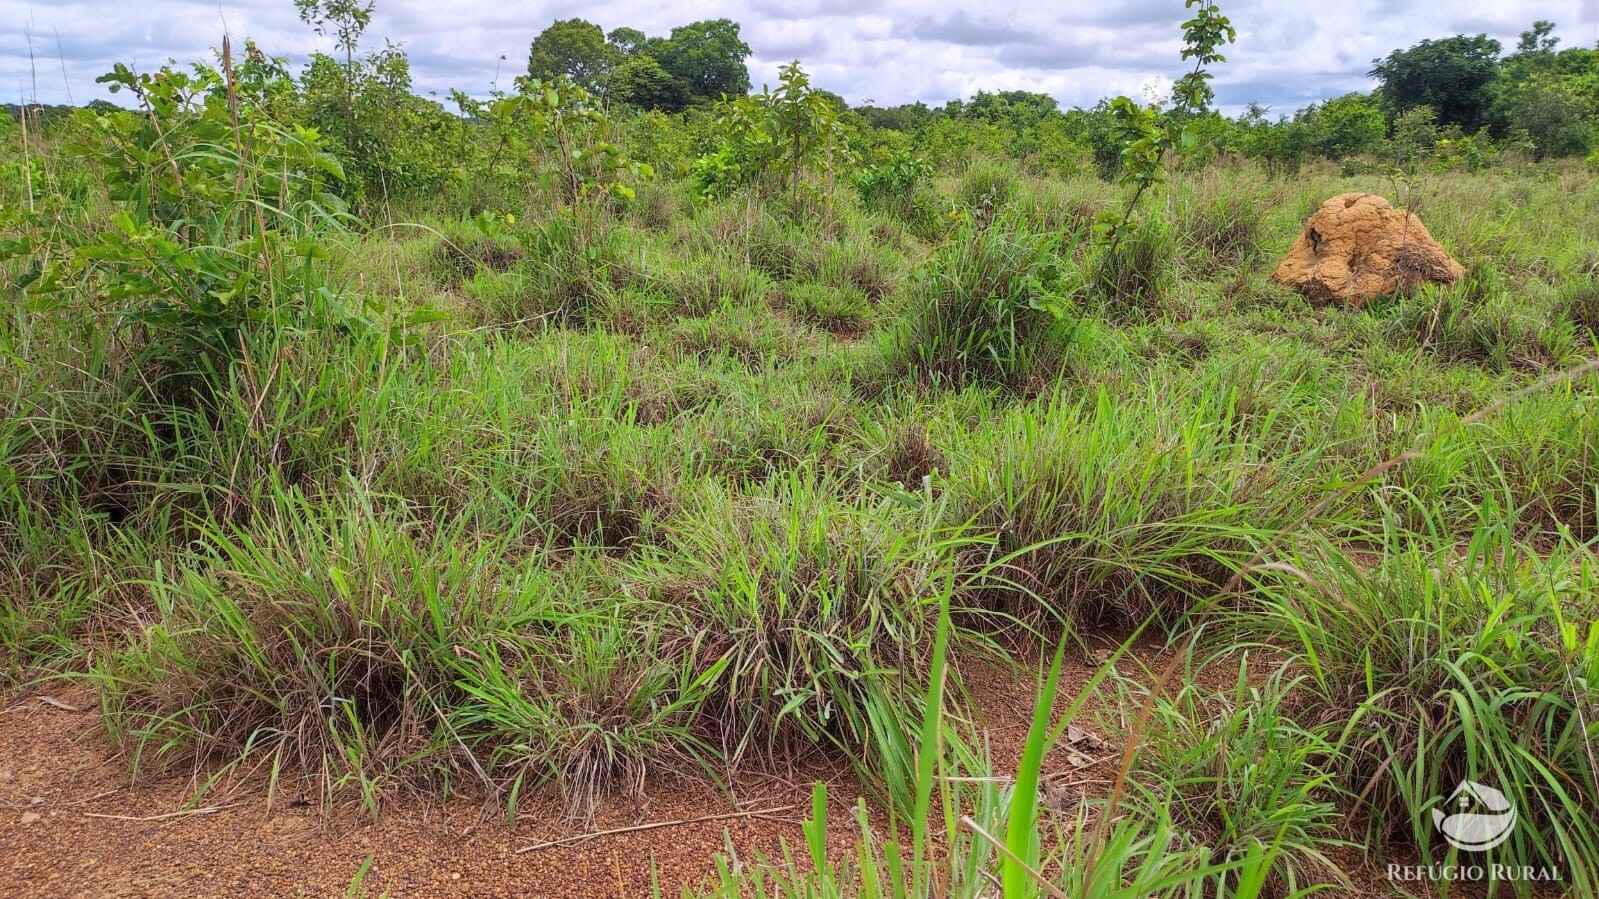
890 51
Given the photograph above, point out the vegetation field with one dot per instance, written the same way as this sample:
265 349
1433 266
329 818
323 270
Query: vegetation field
357 450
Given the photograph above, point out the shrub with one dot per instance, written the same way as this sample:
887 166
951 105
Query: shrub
897 187
1130 275
991 307
218 230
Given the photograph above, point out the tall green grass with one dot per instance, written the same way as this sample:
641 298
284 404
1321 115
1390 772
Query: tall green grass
1441 657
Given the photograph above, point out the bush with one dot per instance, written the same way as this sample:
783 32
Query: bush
1130 274
897 187
991 307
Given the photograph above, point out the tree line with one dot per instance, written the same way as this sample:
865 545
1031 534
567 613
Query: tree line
1538 98
1457 101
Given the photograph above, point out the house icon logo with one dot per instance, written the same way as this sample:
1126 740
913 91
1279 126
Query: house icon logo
1478 818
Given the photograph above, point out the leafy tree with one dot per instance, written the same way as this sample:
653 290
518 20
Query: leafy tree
573 49
216 211
626 41
1415 135
905 117
1455 76
1552 112
1021 109
393 141
1345 126
1144 137
1281 145
780 134
1538 39
640 81
707 57
346 21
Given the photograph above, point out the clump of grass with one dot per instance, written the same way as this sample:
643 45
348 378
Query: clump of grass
911 456
462 252
987 185
1107 513
714 282
1221 229
843 311
747 438
1446 322
991 308
968 831
753 337
595 707
1053 207
658 206
562 278
853 263
1539 456
1130 274
65 580
1443 662
820 608
777 248
1578 302
321 641
1237 772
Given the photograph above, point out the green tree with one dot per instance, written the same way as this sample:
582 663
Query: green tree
1415 135
707 57
626 41
905 117
1022 109
390 140
1538 39
1282 145
1455 76
779 134
640 81
345 21
1345 126
573 49
1552 112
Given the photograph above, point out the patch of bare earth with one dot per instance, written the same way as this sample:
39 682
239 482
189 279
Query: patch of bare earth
72 825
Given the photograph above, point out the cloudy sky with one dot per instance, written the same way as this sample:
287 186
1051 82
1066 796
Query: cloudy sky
1289 52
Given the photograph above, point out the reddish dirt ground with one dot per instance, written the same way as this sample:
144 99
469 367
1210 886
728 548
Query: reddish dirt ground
71 825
